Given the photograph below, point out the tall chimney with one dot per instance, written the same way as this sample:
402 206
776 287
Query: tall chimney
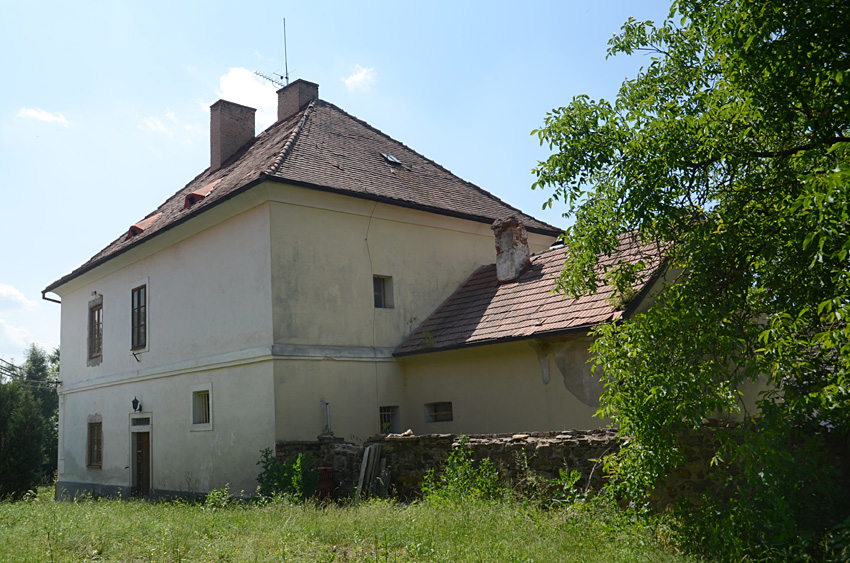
294 97
231 126
511 248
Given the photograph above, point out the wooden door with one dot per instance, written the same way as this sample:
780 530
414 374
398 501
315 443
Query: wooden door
143 464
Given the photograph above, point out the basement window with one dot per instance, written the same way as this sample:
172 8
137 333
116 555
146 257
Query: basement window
383 290
201 407
439 412
390 420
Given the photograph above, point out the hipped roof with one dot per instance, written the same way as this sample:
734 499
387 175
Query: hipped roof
322 147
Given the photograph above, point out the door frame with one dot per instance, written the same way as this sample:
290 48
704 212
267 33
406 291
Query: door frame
140 423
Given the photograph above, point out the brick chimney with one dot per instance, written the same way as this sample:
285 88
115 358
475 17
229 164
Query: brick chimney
511 248
231 126
294 97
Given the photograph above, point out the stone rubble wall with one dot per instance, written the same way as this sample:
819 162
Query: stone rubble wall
408 458
522 457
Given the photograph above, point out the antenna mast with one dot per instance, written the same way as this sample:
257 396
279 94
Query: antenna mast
275 81
285 59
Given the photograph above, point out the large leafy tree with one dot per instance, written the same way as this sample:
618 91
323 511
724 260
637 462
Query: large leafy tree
731 151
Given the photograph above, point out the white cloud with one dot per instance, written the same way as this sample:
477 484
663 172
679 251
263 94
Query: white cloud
19 336
41 115
153 124
361 79
242 86
11 293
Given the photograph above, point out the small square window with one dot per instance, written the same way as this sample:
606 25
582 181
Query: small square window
439 412
138 317
383 289
390 420
94 455
201 407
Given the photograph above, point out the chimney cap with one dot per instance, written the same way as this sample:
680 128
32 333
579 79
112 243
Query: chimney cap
300 82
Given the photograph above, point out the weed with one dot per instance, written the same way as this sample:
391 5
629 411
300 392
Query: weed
296 477
462 478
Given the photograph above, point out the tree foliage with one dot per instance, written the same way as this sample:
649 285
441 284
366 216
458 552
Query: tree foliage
40 373
21 440
730 150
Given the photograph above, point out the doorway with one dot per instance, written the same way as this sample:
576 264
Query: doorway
142 464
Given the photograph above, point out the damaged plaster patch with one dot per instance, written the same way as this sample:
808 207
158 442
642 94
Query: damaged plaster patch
571 361
543 350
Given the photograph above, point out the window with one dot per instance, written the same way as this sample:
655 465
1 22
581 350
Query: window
389 419
383 286
202 407
95 332
138 318
94 457
438 412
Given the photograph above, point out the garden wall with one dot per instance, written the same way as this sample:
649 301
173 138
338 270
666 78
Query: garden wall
519 458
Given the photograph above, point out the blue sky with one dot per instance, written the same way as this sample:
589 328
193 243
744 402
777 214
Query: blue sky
105 109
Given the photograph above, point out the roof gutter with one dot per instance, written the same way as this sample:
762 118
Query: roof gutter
547 334
46 298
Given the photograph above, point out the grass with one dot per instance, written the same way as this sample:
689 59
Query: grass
40 529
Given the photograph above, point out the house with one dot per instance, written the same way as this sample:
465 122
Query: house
319 276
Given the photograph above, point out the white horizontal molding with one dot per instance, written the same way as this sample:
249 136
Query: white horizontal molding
238 358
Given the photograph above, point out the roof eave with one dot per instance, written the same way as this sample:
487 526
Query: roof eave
464 345
191 215
405 204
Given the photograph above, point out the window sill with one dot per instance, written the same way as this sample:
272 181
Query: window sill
201 427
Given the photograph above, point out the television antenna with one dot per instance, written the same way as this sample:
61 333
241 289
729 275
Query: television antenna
275 81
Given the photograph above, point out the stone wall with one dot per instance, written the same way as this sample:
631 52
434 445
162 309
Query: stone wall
408 458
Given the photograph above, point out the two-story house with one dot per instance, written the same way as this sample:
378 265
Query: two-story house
319 276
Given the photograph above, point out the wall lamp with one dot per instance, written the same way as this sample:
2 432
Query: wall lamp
137 406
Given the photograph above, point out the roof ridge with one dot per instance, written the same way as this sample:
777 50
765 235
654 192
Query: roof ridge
437 164
290 142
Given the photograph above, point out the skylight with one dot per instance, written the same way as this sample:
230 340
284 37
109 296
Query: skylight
391 159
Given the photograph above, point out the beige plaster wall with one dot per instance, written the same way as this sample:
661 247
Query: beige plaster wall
207 294
182 459
497 388
354 389
326 248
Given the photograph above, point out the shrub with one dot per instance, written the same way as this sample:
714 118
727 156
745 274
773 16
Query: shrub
462 478
296 477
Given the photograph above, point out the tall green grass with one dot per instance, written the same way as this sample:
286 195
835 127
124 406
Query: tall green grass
40 529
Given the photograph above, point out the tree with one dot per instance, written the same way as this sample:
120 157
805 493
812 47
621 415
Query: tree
21 440
730 150
40 372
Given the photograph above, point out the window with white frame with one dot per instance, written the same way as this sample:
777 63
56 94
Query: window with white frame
383 291
139 317
202 411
